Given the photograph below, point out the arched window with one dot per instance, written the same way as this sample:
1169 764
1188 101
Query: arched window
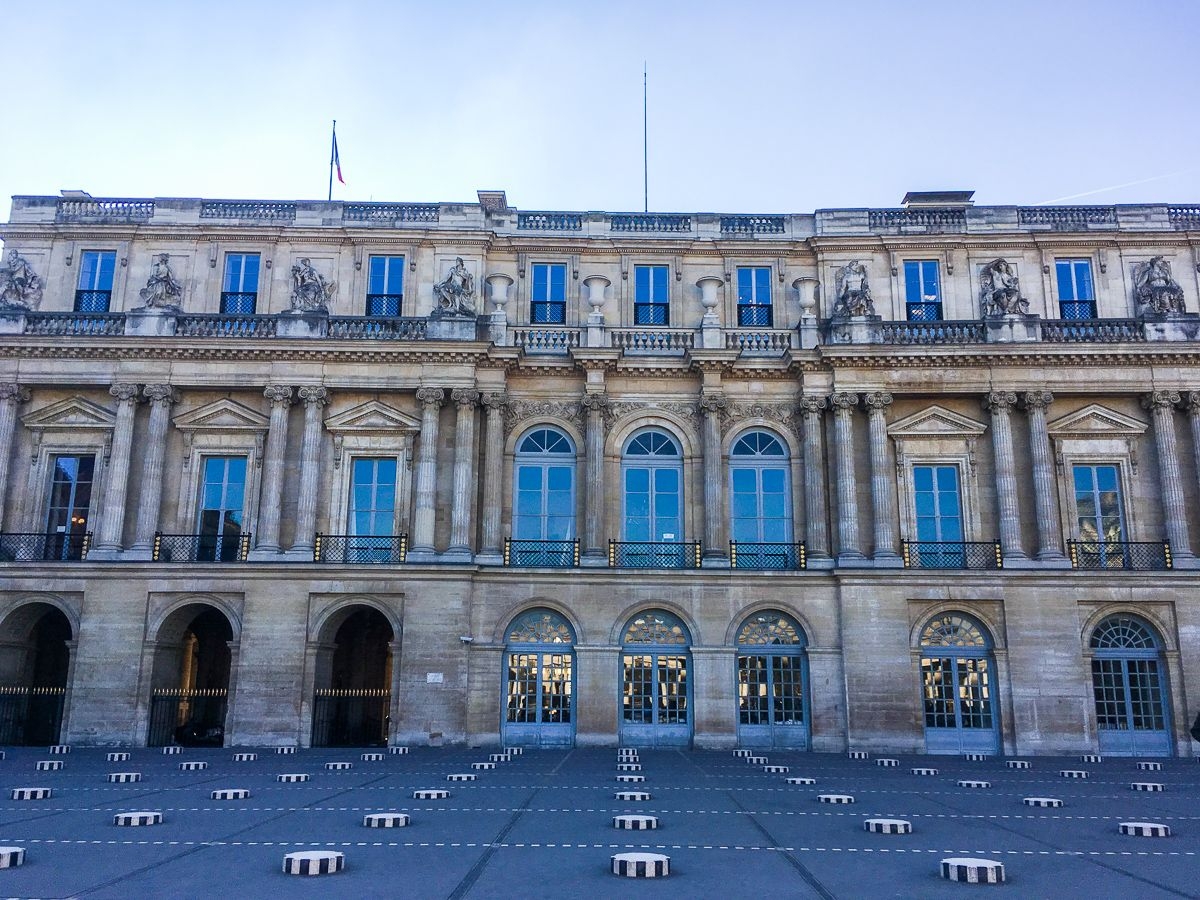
760 496
953 630
652 475
1129 688
656 627
1119 633
544 487
541 626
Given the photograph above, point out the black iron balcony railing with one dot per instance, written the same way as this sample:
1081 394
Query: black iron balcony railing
547 312
38 547
754 314
238 303
767 555
360 549
952 555
1144 555
654 555
92 301
924 312
220 548
384 304
651 314
1077 309
546 554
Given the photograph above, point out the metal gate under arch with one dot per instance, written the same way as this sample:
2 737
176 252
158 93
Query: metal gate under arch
539 686
772 683
958 687
1129 689
655 689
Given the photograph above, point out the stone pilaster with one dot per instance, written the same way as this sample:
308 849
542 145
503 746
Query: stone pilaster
271 496
593 500
999 404
160 397
1193 409
847 484
816 530
1162 408
883 477
493 477
314 398
425 478
112 510
465 399
11 396
710 407
1049 531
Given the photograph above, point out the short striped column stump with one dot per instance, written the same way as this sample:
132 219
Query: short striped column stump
628 757
193 766
462 776
887 763
776 770
245 757
292 778
742 753
859 754
635 823
172 750
800 779
1144 829
641 865
923 770
31 793
58 749
631 796
632 751
338 766
1147 786
972 783
514 751
888 826
11 857
372 757
1018 764
756 760
121 756
49 765
499 757
398 751
1091 758
1149 767
230 794
973 871
431 794
1072 773
629 767
124 777
313 862
133 819
385 820
835 798
483 767
631 779
285 751
1047 802
976 757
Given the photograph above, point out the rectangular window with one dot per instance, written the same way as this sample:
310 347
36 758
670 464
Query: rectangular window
1098 512
754 296
651 302
239 290
385 285
96 270
222 495
922 290
549 299
938 504
70 503
373 497
1076 298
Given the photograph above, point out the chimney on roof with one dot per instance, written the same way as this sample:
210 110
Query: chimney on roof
76 195
940 199
493 201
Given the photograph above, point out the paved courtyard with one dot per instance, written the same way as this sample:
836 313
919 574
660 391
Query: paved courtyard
541 824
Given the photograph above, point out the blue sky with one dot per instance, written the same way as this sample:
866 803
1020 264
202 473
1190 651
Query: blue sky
754 107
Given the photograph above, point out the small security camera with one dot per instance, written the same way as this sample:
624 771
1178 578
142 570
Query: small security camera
467 639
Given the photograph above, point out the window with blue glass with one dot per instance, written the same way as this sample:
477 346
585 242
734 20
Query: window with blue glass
222 495
548 304
651 303
544 487
922 290
652 479
938 504
239 288
96 270
373 496
1076 295
385 285
754 296
760 502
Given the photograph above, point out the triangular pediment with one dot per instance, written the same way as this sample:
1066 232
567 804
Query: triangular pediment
373 416
222 415
72 413
1095 420
936 422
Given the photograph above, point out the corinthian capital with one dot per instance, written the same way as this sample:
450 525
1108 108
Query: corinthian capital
160 394
278 394
1160 400
431 396
999 401
13 393
125 393
314 395
878 401
843 402
1038 399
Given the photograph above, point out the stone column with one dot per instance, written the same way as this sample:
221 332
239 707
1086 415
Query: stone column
464 473
11 396
998 403
425 480
883 478
1049 531
160 397
1162 408
493 478
816 531
271 495
315 397
593 500
711 406
112 511
847 487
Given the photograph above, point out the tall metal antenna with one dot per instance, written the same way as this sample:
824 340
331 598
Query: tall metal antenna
645 146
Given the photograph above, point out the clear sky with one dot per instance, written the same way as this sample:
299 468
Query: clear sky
753 107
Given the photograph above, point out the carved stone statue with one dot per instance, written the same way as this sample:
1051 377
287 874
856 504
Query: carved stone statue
310 291
456 291
853 292
1154 290
162 291
20 286
1000 292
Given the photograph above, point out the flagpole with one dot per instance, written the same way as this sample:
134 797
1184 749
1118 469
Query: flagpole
332 145
645 146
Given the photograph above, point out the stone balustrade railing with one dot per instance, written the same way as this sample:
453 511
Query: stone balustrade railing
550 221
89 210
932 333
546 340
760 343
69 323
1066 218
390 213
650 222
1185 218
750 226
1091 331
924 219
364 328
253 210
664 341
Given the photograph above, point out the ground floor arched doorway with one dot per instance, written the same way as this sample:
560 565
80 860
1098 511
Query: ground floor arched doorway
772 681
958 686
1129 688
539 695
352 697
35 660
192 662
655 688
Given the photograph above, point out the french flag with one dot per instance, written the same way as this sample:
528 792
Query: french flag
337 161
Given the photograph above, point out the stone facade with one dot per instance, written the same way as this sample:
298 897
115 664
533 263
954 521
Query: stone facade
1007 388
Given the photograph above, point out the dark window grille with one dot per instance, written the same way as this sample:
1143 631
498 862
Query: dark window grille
384 304
92 301
548 312
229 547
42 547
651 314
654 555
239 303
1144 555
546 554
360 549
952 554
767 555
1077 309
754 314
924 312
